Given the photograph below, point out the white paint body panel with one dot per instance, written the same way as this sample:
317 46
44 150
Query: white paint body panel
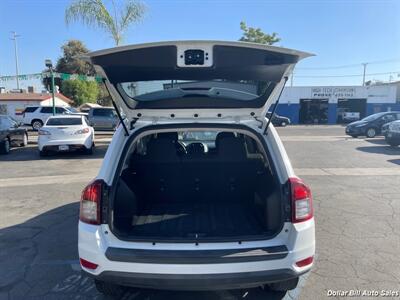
93 240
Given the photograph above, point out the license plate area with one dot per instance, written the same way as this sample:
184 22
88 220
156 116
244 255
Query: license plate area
63 148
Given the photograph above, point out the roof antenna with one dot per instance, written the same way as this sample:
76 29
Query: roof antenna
275 106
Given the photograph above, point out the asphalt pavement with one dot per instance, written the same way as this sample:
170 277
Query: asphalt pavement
355 183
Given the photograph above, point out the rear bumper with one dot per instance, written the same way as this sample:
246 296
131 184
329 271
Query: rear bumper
52 145
355 130
204 266
196 282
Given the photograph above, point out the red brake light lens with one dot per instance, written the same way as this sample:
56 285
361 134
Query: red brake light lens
91 202
302 208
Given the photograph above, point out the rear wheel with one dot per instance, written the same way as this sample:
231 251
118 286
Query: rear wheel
283 286
5 146
109 289
371 132
283 123
36 124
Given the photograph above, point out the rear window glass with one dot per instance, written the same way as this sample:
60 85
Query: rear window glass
244 90
30 109
103 112
64 121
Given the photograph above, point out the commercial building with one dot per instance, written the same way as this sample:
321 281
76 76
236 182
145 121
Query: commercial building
328 104
13 104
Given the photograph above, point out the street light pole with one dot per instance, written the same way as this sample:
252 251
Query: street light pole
14 38
365 68
49 64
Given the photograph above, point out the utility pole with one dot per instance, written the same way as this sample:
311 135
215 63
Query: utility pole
365 68
49 64
14 38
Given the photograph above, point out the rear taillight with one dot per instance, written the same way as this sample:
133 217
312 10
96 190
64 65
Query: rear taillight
90 203
82 131
43 132
302 209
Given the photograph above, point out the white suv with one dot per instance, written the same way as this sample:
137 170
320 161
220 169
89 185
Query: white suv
36 116
196 191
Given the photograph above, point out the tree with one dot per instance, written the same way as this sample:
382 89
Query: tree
80 91
256 35
115 22
71 62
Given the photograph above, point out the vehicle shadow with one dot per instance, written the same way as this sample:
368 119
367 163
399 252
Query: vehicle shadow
376 141
380 147
395 161
32 153
39 260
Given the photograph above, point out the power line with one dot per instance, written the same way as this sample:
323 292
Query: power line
352 75
350 65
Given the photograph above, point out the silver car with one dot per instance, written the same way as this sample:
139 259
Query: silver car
103 118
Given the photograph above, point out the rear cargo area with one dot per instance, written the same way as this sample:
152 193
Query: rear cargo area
178 188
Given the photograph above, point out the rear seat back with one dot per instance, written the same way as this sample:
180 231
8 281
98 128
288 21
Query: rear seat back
158 171
163 174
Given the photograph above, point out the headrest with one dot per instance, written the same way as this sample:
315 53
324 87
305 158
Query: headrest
231 148
196 148
168 135
222 135
161 150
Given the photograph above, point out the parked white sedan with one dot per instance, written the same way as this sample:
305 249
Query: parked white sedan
66 133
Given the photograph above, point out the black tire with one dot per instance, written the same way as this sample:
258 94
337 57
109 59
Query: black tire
5 146
283 286
109 289
43 153
370 132
36 124
283 124
24 143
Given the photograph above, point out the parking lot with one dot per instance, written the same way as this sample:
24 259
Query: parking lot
355 183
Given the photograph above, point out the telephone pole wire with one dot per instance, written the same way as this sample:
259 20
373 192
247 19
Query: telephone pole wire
14 38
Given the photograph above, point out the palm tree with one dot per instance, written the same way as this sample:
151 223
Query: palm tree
94 13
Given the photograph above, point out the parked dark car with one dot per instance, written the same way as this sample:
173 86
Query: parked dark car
372 125
392 133
103 118
11 134
278 120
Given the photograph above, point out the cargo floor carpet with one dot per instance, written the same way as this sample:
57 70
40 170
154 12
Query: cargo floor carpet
189 220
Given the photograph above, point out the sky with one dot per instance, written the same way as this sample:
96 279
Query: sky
342 34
